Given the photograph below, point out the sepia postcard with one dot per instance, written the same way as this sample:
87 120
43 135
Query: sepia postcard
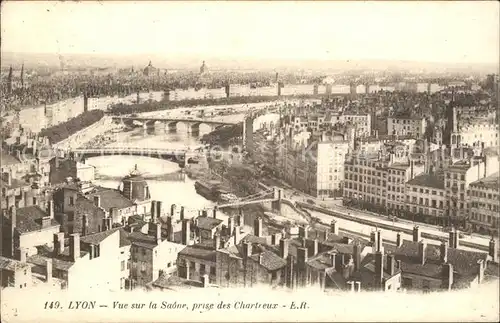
259 161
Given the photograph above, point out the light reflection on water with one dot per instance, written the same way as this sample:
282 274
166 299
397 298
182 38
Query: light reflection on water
181 193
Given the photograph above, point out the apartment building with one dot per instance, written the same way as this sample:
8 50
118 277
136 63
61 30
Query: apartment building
378 179
26 229
429 267
460 175
406 126
14 273
361 122
482 134
91 264
425 194
484 205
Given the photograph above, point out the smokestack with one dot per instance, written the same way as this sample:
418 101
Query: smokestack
422 246
74 246
416 234
493 250
48 270
443 252
284 243
399 240
334 228
58 243
97 201
186 232
258 227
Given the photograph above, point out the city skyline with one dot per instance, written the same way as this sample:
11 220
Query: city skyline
443 32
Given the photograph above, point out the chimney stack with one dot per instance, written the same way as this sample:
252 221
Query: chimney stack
380 247
333 256
48 270
216 241
186 232
97 201
247 249
334 228
416 234
391 265
275 238
357 287
204 213
312 247
258 227
46 221
379 269
85 224
182 213
153 211
170 229
399 240
443 252
230 225
74 246
480 273
58 243
7 178
448 276
422 246
453 239
172 209
50 208
158 210
303 231
158 233
301 257
284 243
493 250
214 212
205 281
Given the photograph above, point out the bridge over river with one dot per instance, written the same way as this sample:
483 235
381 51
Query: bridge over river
193 125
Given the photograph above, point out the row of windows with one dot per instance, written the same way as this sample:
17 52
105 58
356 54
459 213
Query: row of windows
483 217
426 191
485 195
486 206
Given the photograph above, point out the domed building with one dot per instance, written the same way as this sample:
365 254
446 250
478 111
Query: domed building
150 70
135 187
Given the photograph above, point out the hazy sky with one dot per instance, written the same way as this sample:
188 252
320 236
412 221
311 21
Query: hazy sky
461 32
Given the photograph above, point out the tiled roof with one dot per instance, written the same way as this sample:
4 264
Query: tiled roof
171 281
29 219
207 223
142 240
111 198
269 260
12 264
60 262
266 240
428 180
320 262
492 181
464 262
8 159
15 183
198 252
99 237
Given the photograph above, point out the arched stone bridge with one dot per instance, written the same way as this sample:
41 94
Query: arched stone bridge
181 156
193 125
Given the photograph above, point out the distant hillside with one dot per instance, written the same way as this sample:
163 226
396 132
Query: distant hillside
193 62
